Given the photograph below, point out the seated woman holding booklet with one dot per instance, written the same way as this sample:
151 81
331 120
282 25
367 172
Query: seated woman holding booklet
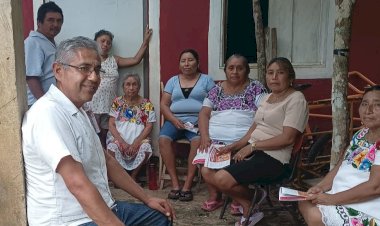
350 193
227 114
181 102
280 118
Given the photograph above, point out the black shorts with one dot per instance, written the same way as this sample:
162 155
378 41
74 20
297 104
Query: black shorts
259 168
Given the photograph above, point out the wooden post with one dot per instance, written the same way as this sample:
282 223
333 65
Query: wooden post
260 40
339 102
12 108
270 43
273 36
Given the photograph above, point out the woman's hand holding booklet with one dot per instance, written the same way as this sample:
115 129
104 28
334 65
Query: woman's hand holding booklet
210 159
288 194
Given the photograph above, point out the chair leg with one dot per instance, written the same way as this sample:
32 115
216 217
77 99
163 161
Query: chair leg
162 179
255 205
199 179
226 201
160 166
251 207
264 195
267 188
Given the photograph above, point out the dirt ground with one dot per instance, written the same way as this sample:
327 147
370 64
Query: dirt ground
190 213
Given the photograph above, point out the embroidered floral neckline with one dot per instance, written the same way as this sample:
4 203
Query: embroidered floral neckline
361 153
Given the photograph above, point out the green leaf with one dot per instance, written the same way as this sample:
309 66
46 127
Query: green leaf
352 212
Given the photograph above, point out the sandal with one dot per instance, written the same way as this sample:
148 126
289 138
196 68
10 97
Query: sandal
236 209
185 196
211 205
174 194
256 217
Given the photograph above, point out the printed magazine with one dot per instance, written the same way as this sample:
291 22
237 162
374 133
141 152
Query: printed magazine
210 158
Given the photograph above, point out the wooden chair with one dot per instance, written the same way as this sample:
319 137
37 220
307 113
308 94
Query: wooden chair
264 187
163 175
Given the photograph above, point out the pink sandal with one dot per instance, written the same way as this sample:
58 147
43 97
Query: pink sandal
236 209
211 205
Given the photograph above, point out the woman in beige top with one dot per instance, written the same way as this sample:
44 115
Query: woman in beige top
263 152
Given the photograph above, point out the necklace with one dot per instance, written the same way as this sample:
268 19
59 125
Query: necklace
276 99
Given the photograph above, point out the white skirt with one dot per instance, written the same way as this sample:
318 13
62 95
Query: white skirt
345 216
131 162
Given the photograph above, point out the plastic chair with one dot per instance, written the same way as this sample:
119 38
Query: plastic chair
263 187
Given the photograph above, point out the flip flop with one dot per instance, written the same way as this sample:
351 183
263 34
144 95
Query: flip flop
211 205
185 196
174 194
253 219
236 209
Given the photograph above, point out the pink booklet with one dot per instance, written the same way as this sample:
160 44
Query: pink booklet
288 194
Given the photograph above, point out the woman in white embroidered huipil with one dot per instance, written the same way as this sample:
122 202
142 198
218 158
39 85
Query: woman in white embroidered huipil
130 124
230 106
350 193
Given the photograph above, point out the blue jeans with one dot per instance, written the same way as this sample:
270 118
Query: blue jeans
168 130
136 214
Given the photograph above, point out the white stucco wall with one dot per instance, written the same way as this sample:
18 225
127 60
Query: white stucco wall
123 18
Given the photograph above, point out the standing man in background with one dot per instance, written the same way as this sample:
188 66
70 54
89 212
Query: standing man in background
40 51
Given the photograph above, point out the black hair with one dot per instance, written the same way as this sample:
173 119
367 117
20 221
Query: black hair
103 32
193 52
371 88
47 8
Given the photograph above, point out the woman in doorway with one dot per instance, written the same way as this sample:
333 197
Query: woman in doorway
102 100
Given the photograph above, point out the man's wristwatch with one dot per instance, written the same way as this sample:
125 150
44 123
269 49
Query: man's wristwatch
253 146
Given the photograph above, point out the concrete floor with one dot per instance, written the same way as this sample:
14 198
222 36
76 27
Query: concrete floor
190 213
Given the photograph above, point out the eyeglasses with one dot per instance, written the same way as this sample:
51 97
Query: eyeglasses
86 69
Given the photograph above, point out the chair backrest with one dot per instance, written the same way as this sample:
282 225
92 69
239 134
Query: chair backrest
161 115
291 170
296 155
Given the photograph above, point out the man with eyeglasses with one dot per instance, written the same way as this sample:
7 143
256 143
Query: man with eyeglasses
67 170
40 49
